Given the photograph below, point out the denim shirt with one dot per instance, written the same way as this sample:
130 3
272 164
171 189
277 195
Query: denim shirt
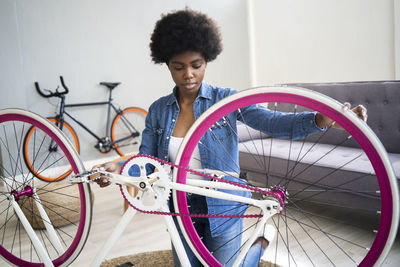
162 117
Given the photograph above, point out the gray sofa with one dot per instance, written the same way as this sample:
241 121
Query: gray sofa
382 99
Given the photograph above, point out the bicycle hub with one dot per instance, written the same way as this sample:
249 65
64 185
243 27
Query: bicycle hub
28 191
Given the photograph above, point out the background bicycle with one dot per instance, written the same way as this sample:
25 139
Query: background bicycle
122 133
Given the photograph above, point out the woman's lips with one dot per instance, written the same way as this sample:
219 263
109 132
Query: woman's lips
189 85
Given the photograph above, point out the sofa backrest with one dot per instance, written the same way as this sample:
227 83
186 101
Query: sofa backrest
382 100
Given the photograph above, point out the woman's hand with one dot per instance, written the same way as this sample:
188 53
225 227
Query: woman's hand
108 167
323 121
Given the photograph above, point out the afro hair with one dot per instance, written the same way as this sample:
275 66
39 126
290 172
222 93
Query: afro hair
185 30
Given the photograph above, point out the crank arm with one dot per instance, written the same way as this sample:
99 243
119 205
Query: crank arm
141 183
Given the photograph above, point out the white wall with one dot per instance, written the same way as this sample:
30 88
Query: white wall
265 42
98 40
322 40
396 32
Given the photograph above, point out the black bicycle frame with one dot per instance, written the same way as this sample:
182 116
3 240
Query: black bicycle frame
60 116
108 103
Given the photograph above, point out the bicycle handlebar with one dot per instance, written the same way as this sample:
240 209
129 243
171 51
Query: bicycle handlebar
51 93
66 90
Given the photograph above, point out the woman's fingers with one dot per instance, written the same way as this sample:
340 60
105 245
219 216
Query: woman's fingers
103 182
361 112
109 167
346 105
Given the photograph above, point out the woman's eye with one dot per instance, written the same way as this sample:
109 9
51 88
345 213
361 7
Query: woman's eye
178 68
197 66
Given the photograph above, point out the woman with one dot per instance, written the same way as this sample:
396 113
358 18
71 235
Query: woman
186 41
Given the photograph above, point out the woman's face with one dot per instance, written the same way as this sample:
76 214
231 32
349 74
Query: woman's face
187 70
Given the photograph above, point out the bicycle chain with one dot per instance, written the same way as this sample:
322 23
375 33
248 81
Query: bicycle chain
254 189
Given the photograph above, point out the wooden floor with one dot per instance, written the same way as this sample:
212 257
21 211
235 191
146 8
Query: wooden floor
145 232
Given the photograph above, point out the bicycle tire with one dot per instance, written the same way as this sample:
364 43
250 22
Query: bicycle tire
48 154
130 121
68 207
306 220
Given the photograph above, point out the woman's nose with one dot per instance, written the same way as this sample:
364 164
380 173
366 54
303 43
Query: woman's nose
188 73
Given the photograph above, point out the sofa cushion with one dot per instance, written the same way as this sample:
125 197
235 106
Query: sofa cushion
381 98
323 155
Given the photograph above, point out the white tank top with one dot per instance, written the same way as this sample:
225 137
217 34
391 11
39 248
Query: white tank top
194 163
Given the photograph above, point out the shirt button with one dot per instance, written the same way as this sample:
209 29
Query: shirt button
173 120
165 157
167 137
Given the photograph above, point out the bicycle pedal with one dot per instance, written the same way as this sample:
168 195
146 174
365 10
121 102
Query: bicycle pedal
84 177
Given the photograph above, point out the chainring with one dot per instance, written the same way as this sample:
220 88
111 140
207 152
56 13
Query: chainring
154 197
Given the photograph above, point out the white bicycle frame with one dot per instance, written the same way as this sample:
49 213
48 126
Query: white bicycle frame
200 187
51 233
269 207
44 257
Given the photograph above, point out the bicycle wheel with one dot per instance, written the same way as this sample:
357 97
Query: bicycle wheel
341 204
39 218
39 157
126 130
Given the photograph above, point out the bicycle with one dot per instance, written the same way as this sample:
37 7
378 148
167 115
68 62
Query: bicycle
123 134
313 222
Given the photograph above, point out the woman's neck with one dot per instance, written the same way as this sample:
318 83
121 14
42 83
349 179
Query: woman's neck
185 98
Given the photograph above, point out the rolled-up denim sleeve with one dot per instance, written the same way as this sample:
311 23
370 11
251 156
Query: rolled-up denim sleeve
280 125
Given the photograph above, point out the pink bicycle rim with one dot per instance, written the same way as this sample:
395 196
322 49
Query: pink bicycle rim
364 142
67 254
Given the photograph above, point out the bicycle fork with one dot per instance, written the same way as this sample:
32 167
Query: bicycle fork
52 235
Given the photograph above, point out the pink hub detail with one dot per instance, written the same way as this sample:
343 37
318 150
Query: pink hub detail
280 194
28 191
